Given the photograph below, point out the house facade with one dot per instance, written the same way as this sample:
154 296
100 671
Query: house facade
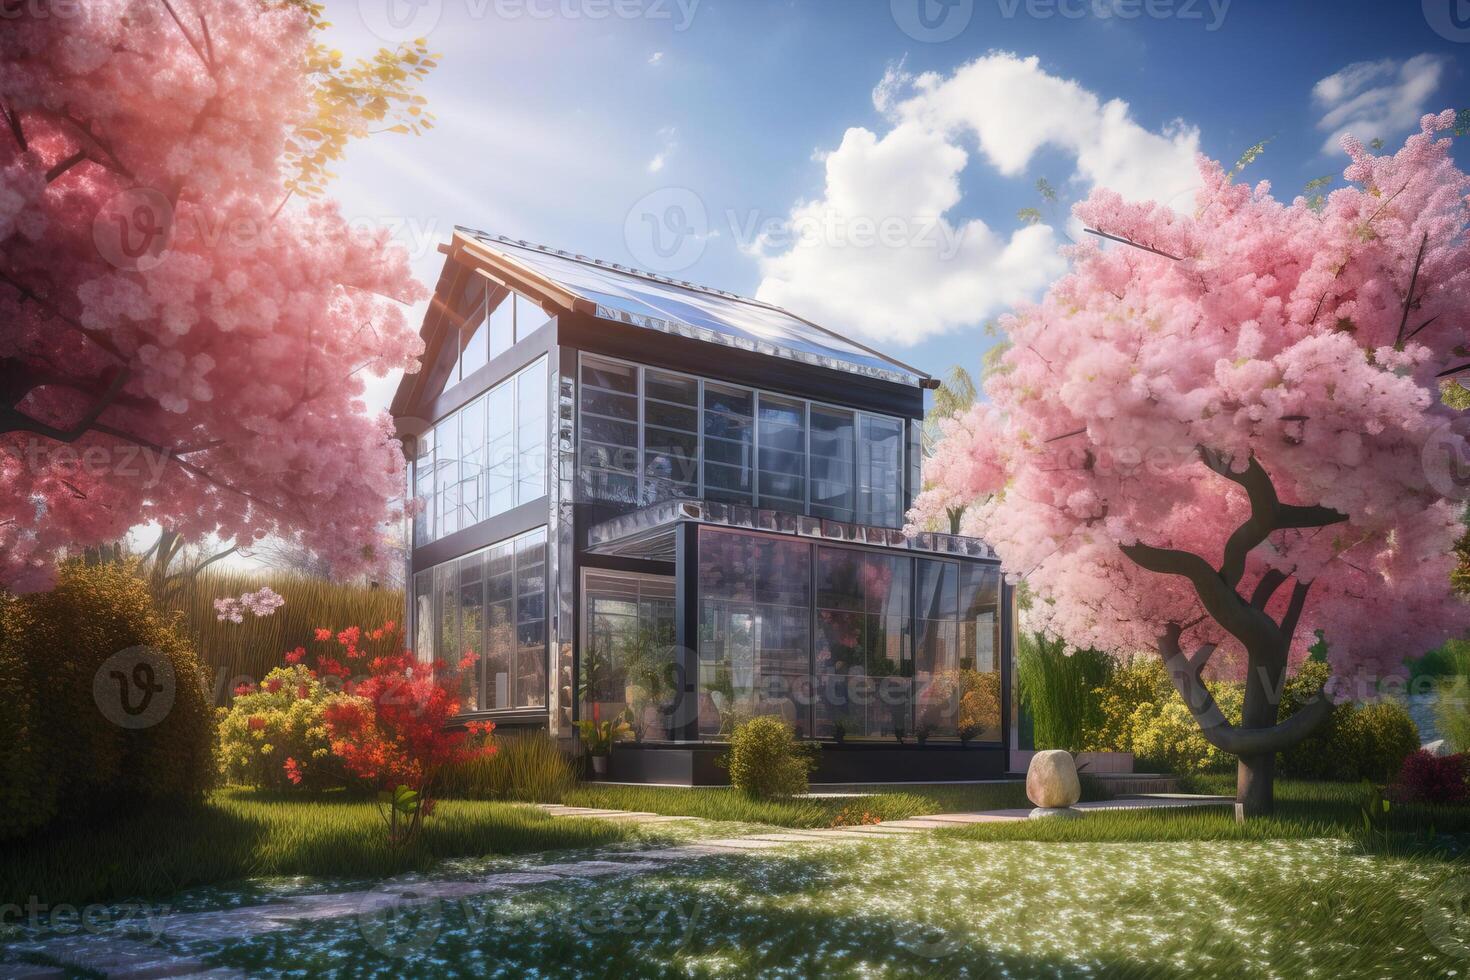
648 499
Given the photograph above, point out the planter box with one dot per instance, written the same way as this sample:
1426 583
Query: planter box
1088 763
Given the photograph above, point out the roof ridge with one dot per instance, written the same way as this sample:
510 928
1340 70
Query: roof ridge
625 269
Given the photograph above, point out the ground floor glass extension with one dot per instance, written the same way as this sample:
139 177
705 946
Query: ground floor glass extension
849 634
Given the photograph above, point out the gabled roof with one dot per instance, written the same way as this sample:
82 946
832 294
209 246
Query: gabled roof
644 299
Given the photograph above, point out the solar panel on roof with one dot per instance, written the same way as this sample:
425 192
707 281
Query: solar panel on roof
704 314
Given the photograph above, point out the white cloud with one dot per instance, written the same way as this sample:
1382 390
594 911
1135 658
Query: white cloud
1376 99
880 256
669 143
656 58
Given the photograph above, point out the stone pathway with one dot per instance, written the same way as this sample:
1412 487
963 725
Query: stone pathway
119 956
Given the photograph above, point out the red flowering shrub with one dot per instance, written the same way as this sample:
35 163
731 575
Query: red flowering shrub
1427 778
394 732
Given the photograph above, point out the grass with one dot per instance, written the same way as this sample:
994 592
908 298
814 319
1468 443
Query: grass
528 768
933 906
725 803
242 834
1304 810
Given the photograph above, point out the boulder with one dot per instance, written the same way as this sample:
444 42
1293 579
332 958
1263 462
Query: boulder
1055 812
1051 780
1438 747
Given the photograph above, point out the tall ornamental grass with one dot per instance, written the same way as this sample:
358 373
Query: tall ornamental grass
233 653
1061 690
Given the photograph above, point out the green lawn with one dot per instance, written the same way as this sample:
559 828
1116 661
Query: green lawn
933 906
1304 810
243 833
724 803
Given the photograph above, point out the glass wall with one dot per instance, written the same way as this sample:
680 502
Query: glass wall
491 603
864 668
958 659
646 435
483 459
627 662
754 630
844 641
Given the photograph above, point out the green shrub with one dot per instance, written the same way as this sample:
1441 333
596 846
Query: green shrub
766 761
280 720
527 768
1379 736
58 643
30 797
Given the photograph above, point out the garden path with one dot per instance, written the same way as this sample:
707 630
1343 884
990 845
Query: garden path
134 958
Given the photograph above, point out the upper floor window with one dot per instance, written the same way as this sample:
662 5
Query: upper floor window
483 459
503 318
646 435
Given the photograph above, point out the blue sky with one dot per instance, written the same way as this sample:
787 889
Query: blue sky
585 124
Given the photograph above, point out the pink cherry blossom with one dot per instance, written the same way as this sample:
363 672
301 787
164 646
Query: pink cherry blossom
213 381
1277 342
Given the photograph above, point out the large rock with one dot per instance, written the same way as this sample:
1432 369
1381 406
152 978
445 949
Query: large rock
1051 779
1439 747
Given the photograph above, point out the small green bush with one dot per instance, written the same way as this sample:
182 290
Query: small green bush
1061 689
1379 737
58 643
766 761
527 768
280 720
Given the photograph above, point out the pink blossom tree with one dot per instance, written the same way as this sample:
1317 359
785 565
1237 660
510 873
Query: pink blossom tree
1223 435
177 344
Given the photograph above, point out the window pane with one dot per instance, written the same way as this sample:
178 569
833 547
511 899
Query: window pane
530 669
529 317
446 585
423 615
833 463
501 324
446 479
880 471
423 474
471 628
628 661
607 436
670 437
476 353
500 634
500 462
531 433
754 631
472 463
729 443
782 439
863 671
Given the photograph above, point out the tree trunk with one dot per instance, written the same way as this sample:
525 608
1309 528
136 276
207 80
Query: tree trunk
1254 786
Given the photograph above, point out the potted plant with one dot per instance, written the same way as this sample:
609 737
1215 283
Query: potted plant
967 733
922 731
839 730
898 732
600 736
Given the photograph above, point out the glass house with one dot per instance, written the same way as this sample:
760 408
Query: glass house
642 498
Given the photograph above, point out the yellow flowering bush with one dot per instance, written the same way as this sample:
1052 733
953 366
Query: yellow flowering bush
274 735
